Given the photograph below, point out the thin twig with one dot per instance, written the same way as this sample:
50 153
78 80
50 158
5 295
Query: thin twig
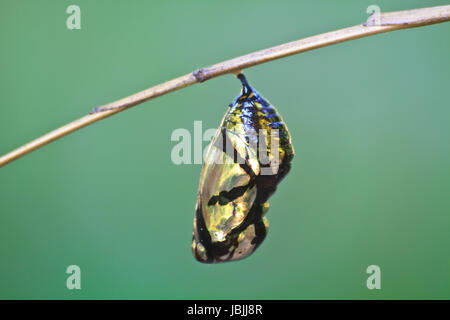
386 22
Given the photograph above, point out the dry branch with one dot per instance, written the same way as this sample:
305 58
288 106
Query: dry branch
386 22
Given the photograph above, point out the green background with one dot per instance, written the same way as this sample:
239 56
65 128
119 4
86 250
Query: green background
369 119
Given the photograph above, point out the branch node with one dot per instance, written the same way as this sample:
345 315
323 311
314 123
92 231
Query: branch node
199 75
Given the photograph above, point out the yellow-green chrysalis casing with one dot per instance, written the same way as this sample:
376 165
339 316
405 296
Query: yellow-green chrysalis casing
249 155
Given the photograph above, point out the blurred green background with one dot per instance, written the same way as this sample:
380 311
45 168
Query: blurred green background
369 118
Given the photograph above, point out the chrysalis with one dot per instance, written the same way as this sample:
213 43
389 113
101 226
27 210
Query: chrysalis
249 155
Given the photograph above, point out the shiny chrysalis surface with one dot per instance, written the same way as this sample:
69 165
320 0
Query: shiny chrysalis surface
249 155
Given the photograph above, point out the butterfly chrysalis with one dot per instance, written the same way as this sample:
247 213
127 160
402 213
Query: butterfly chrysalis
247 158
